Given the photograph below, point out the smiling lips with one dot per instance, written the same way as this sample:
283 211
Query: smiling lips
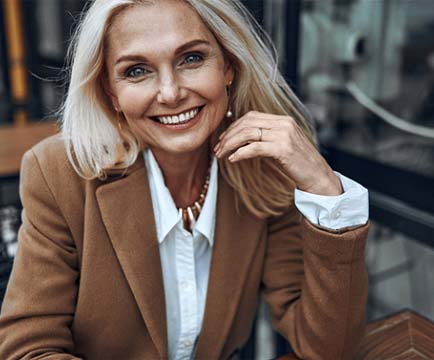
178 119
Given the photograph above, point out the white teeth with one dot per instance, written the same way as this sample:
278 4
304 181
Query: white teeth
178 119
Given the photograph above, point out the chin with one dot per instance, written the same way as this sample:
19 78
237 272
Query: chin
195 142
187 147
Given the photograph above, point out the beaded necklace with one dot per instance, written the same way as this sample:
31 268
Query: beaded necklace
191 213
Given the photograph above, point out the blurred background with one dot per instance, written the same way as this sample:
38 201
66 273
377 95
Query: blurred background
364 68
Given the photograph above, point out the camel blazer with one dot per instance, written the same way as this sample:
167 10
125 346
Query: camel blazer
87 281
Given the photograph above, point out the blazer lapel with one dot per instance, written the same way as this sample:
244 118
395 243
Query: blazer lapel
127 213
236 239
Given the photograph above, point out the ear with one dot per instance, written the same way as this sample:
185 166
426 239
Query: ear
229 74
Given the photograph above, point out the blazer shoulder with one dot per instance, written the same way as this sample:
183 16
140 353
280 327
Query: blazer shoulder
51 152
50 157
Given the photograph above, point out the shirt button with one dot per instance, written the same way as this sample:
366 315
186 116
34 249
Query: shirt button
186 343
336 215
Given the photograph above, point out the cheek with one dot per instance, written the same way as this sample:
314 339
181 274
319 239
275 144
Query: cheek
214 92
219 106
218 95
218 91
134 100
209 82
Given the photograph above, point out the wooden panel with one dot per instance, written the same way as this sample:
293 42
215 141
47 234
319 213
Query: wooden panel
403 336
15 141
410 355
406 335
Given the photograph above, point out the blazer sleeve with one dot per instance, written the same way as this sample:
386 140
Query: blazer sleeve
39 304
316 285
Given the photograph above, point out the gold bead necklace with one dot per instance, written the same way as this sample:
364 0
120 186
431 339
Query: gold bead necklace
191 213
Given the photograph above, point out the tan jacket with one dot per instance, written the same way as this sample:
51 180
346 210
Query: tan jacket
87 278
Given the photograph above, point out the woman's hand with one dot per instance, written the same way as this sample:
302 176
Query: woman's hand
264 135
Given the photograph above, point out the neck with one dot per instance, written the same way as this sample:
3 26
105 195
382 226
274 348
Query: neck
184 174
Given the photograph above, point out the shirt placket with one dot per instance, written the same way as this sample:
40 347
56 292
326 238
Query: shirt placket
187 288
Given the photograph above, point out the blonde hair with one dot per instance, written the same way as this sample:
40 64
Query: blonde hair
96 145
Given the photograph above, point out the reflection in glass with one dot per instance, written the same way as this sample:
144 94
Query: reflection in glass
367 72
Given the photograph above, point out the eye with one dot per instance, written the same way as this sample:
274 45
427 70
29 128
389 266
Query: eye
191 59
135 72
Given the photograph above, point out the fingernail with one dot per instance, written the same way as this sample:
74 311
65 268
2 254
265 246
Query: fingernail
216 147
222 134
231 157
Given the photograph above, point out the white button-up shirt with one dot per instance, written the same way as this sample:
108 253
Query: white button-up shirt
185 260
186 257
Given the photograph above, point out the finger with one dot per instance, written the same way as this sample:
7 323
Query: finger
279 123
255 118
275 123
280 127
243 137
253 150
246 124
263 120
222 134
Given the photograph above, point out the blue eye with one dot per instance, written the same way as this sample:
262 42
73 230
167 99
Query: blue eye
135 72
193 59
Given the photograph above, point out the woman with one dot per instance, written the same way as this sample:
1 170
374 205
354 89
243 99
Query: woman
152 224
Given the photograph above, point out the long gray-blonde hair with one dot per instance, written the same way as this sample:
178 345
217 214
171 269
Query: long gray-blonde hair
95 144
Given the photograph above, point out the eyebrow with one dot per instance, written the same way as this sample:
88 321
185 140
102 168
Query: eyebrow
179 50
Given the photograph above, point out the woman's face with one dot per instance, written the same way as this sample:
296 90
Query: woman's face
167 75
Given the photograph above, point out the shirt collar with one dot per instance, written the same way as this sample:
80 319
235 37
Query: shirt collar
165 211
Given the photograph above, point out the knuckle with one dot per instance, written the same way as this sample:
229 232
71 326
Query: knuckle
243 127
289 123
241 123
290 129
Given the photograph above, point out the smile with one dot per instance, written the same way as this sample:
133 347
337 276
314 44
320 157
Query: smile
179 118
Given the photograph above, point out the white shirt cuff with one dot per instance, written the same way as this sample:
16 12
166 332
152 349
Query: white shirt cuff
335 212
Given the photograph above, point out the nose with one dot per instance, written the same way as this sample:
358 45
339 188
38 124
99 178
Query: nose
170 92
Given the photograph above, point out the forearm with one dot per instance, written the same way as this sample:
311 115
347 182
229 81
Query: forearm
320 306
329 317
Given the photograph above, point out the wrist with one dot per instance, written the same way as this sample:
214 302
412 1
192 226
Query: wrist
327 186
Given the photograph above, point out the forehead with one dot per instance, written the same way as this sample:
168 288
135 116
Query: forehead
151 25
